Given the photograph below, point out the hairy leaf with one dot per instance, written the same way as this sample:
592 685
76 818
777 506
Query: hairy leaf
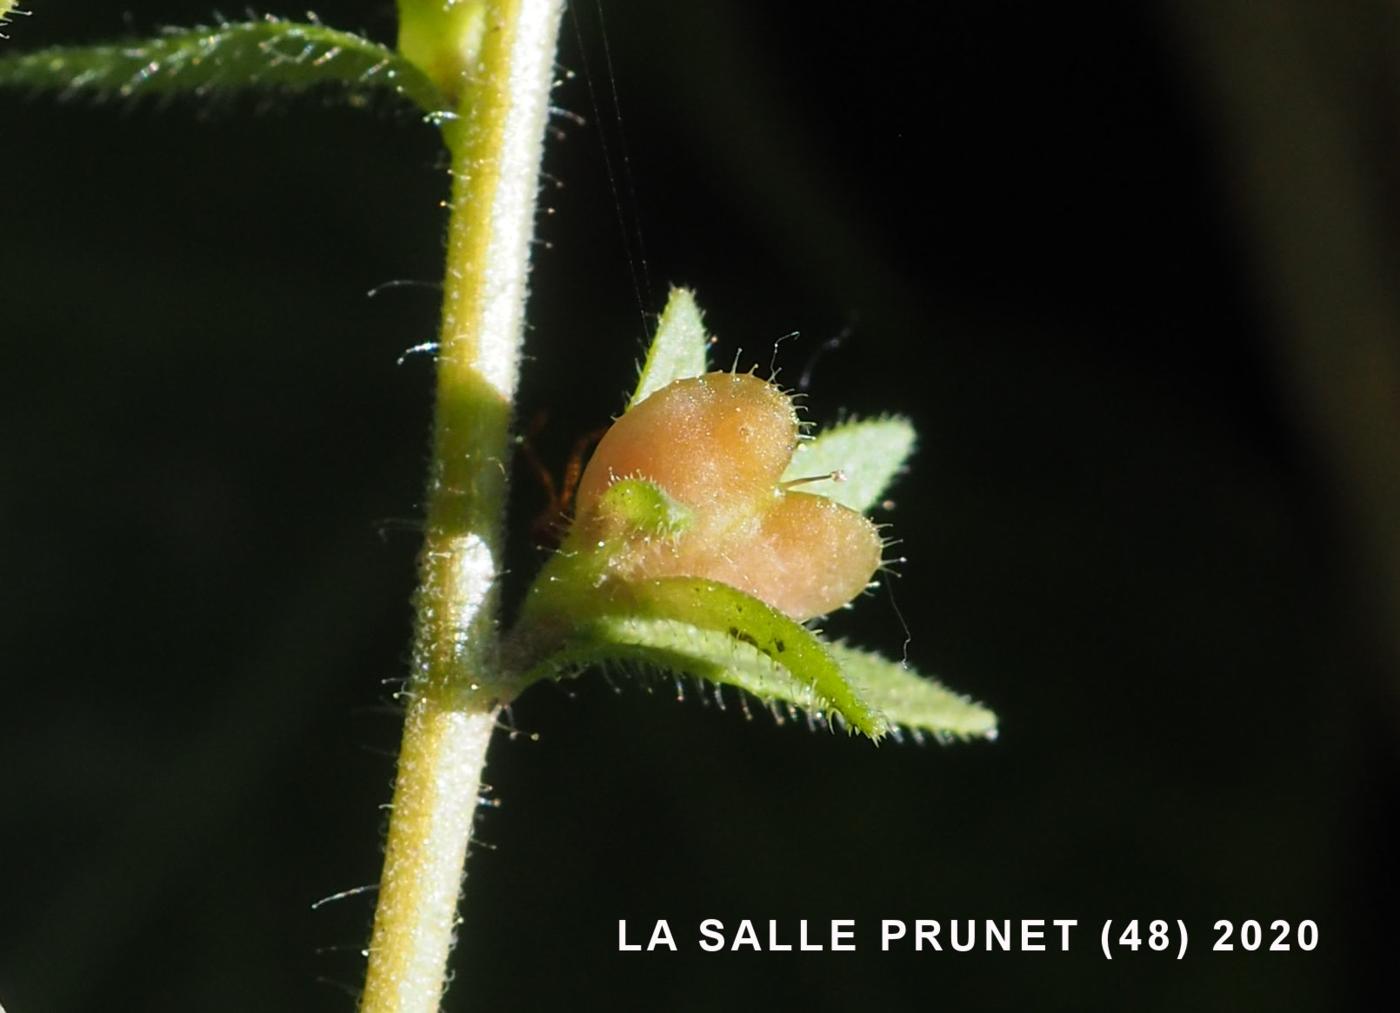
723 609
910 700
269 54
865 456
904 699
679 647
678 349
712 608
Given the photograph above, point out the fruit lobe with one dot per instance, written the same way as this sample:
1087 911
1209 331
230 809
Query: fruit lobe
718 444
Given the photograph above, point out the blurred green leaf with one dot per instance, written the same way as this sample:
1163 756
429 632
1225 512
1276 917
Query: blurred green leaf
910 700
865 456
269 54
678 349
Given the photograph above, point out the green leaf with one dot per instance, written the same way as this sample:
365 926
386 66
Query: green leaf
589 614
723 609
679 647
678 349
231 56
865 456
898 698
910 700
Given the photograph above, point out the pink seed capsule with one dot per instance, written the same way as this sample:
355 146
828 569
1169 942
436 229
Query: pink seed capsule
718 444
709 441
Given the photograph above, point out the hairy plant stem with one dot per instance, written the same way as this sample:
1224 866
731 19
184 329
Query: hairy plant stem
497 57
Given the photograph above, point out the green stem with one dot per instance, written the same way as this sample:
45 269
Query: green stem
497 57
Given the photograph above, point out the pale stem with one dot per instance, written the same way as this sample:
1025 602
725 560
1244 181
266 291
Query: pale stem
506 54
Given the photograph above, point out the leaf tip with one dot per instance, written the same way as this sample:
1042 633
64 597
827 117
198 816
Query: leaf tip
678 349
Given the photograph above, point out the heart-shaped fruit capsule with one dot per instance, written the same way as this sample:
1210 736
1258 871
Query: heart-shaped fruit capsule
718 445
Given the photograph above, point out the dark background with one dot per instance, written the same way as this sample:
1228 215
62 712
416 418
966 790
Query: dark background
1129 268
